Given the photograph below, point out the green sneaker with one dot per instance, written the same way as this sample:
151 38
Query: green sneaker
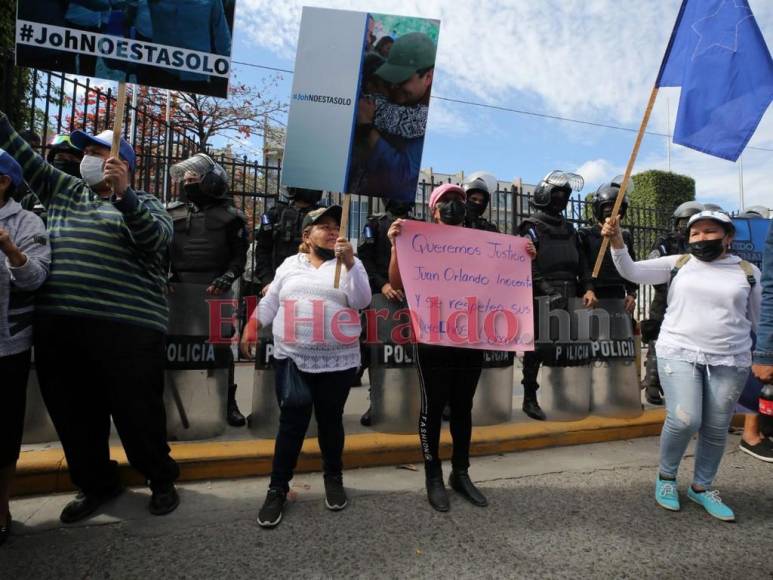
666 494
712 503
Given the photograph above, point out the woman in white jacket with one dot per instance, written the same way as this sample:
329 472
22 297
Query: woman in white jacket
24 260
316 342
704 348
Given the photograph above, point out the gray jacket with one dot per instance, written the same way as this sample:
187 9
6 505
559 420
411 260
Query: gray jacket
17 285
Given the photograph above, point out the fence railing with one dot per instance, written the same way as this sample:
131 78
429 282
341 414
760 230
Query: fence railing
57 103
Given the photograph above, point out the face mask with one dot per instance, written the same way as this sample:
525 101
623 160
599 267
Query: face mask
475 210
92 169
706 250
452 212
70 167
324 253
194 194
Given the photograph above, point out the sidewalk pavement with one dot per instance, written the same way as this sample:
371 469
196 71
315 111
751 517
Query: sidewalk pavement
569 512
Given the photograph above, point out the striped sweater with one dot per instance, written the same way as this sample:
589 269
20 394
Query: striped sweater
108 256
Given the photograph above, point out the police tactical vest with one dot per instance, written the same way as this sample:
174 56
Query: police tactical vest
287 232
558 255
200 249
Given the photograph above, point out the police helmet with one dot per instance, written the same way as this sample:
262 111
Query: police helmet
478 185
212 178
687 210
398 207
555 189
312 196
62 144
606 195
713 207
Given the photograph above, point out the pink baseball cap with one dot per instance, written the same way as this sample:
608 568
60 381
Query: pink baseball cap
438 193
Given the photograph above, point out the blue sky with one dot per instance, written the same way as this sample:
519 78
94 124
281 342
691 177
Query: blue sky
594 60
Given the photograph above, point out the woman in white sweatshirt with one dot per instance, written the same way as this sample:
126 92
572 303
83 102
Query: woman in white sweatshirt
704 348
316 345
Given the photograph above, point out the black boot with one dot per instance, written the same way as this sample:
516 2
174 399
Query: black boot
461 483
436 492
531 406
653 394
233 415
366 419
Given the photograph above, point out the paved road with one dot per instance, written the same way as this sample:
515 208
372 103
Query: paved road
573 512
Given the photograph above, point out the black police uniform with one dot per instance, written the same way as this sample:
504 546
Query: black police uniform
609 283
556 273
480 223
280 234
210 247
670 244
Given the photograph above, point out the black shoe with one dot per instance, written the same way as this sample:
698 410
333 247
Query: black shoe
532 409
653 394
762 451
270 514
335 494
5 530
461 483
233 416
366 419
164 500
86 504
436 493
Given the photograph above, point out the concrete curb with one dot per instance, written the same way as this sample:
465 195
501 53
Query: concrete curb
45 471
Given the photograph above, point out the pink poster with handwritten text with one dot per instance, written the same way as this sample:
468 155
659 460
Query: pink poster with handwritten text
467 288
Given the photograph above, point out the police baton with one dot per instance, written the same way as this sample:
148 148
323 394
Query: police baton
344 228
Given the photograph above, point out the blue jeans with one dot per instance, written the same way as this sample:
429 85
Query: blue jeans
699 399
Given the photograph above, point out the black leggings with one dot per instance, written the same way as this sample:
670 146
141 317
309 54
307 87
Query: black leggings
14 370
447 375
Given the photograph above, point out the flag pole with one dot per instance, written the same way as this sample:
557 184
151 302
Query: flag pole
344 228
635 153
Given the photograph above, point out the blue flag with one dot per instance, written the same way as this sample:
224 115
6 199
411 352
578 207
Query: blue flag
718 56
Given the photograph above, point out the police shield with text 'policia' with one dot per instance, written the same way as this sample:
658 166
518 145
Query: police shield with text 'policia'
374 250
557 271
281 232
669 244
479 187
609 283
210 239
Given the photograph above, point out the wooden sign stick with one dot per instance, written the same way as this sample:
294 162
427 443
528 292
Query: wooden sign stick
344 228
627 176
120 109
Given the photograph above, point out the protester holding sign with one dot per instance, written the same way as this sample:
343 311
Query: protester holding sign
24 261
704 348
446 374
101 319
316 350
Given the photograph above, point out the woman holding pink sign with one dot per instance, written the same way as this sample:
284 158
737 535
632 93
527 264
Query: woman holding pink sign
447 374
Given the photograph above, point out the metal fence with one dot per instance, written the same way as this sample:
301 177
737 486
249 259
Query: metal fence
56 103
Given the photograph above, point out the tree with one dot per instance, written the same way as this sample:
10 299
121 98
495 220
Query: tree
243 112
15 83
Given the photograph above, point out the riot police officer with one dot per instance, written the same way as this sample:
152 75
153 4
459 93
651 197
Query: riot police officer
672 243
478 198
210 239
281 233
609 283
558 269
375 250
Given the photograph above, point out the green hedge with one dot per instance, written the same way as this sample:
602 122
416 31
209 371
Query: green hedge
661 189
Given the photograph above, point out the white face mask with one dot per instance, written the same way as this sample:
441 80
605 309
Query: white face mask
92 169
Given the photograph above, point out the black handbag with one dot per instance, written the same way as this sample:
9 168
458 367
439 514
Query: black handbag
291 390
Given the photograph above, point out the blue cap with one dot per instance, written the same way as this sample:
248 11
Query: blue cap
9 167
105 139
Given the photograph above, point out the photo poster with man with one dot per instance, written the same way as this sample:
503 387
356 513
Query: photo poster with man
182 45
464 290
359 103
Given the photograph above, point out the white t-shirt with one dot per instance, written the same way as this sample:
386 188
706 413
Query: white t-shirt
711 310
314 324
